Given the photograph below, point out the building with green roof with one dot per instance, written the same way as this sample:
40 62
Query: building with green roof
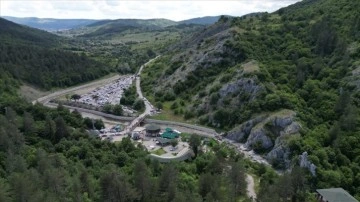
334 195
169 134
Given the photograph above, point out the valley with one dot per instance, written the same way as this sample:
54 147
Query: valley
262 107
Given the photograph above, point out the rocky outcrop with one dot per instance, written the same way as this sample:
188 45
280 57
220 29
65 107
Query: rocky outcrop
279 155
245 85
241 133
259 140
306 163
268 134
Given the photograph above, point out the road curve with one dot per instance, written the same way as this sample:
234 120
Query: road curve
148 106
189 128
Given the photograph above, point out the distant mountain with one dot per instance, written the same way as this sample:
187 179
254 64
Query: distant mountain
118 25
136 22
50 24
207 20
111 27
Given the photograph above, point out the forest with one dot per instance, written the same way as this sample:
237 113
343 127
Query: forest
49 155
307 58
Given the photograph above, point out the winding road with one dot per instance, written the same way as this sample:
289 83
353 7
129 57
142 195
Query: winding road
188 128
148 106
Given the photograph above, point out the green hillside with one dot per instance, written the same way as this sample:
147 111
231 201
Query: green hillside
50 155
111 27
303 58
14 33
37 57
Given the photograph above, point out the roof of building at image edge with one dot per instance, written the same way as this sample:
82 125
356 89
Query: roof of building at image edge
336 195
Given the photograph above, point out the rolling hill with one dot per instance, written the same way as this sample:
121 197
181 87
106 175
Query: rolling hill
37 57
13 33
51 24
207 20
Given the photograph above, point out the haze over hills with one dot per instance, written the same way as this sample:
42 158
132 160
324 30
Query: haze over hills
207 20
50 24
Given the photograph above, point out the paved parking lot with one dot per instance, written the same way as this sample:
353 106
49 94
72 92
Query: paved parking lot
110 93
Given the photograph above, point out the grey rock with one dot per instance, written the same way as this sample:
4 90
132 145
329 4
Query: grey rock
282 122
294 127
259 136
271 132
241 133
279 153
243 85
306 163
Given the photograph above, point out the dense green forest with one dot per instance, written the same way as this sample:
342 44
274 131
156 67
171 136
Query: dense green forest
36 57
48 155
304 58
47 61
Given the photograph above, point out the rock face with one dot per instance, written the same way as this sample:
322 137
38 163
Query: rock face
258 138
306 163
268 134
240 134
246 85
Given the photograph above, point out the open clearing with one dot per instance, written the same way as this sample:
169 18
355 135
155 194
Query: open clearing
31 93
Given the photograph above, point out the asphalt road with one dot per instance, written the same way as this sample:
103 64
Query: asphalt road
148 106
188 128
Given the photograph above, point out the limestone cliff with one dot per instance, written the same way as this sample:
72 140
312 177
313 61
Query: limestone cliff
267 134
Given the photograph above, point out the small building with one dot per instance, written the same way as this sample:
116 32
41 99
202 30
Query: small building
169 134
135 136
163 141
334 195
139 129
152 130
117 128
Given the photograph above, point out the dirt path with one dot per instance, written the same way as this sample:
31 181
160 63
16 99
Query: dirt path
250 189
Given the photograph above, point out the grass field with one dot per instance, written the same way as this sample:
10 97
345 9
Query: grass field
159 152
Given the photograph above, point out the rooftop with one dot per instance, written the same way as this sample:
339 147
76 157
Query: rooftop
169 135
336 195
162 140
152 127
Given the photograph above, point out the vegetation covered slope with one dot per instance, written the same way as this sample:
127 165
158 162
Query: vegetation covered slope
110 27
304 58
37 57
48 155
